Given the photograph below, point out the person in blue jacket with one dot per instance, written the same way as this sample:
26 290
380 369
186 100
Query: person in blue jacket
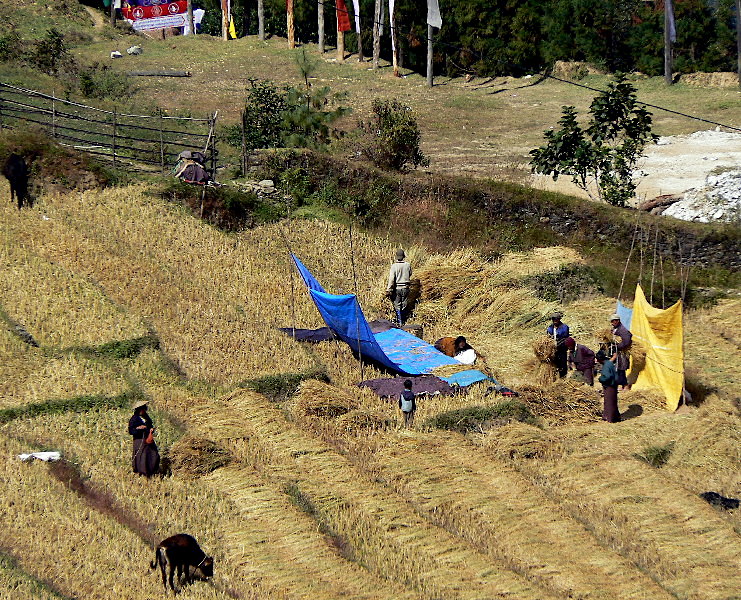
559 332
609 380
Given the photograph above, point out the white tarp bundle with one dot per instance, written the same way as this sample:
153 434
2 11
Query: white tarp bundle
45 456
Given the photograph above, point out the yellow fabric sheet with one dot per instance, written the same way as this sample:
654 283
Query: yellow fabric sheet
660 331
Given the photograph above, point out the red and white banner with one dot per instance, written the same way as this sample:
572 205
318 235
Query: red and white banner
156 15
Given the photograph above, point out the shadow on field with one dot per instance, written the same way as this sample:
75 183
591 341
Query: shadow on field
634 410
101 501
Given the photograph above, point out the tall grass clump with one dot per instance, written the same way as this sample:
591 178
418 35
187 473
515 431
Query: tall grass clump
478 418
656 455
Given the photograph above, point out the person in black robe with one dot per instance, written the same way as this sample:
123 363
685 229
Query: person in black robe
145 456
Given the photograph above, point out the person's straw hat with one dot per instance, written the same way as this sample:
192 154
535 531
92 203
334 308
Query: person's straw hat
139 403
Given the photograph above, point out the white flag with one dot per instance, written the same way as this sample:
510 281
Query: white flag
356 8
392 25
433 14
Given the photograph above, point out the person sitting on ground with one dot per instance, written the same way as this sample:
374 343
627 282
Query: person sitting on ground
608 379
582 359
621 357
559 332
397 289
407 404
457 348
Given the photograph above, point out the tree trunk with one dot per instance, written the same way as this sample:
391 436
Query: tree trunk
113 13
320 23
291 29
738 38
261 20
394 45
377 33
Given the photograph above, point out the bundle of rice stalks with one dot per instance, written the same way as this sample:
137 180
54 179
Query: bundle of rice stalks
519 440
605 336
563 402
359 420
319 399
543 366
196 456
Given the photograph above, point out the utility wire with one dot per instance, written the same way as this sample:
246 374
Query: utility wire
511 66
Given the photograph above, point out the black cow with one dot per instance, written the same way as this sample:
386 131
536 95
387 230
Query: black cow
183 553
16 171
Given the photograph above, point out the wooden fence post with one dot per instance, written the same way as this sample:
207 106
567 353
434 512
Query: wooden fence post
162 143
114 136
244 144
53 116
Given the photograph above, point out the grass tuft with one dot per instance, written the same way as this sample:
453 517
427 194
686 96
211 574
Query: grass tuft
283 386
78 404
656 456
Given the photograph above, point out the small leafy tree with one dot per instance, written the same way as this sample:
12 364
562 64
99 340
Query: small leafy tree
602 157
393 137
263 115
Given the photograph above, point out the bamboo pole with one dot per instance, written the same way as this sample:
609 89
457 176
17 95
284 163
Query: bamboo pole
53 116
244 144
320 24
357 305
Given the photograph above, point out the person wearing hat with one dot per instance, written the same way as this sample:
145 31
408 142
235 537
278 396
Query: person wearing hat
559 332
145 458
608 379
397 289
621 355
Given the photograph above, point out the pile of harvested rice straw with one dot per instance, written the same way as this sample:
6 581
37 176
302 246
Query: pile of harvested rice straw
196 456
544 366
359 420
563 402
318 399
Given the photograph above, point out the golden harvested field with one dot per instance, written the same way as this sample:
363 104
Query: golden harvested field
313 503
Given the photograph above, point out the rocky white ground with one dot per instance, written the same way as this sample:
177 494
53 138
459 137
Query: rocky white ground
699 165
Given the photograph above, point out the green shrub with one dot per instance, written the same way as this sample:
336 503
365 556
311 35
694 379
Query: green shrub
477 418
50 54
656 456
100 81
263 117
566 284
11 46
392 137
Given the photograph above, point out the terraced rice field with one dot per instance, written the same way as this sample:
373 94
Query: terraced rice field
305 509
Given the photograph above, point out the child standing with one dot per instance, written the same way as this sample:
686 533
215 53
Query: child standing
407 403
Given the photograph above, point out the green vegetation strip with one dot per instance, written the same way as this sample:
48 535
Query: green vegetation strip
282 386
78 404
119 349
476 418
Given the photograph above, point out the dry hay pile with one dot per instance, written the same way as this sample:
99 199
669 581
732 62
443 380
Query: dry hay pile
543 366
360 420
518 440
195 456
481 294
720 79
636 349
317 399
563 402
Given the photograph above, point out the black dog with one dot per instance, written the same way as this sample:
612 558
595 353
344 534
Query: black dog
16 172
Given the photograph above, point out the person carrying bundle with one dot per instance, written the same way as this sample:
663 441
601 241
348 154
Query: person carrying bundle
559 332
581 358
621 353
397 289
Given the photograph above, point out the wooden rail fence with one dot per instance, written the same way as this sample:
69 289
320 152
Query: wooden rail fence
135 142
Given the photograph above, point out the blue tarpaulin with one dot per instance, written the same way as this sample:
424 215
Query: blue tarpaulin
625 314
395 349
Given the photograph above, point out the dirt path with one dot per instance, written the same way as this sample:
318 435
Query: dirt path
96 16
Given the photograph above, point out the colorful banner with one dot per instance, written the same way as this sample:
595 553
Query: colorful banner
356 8
155 14
343 17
